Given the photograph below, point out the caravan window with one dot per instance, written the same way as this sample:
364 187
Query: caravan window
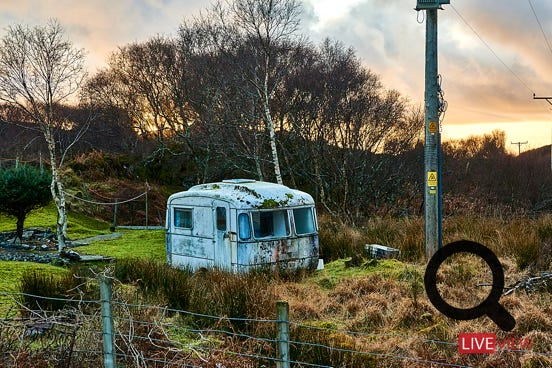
245 227
267 224
183 218
221 218
304 221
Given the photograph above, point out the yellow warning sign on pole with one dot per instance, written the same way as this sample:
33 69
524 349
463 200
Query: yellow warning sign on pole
432 178
432 126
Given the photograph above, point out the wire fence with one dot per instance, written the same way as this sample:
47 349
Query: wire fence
119 333
133 203
128 210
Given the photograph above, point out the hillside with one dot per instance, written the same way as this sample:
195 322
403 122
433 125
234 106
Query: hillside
373 313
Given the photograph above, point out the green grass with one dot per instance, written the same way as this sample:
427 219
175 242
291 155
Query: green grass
42 217
133 243
10 277
79 226
336 271
139 243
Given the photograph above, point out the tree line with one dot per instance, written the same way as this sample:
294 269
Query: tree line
240 92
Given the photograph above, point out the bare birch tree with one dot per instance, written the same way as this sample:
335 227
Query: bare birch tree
269 26
39 70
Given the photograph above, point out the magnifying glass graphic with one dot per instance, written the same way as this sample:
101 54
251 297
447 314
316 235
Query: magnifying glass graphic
490 305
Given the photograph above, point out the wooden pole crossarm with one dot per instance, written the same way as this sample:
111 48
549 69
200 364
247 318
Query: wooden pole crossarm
548 99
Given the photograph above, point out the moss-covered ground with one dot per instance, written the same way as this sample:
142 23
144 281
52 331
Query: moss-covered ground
132 243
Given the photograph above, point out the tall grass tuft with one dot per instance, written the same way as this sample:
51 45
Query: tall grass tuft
235 296
405 234
338 240
45 291
213 293
156 280
313 348
521 238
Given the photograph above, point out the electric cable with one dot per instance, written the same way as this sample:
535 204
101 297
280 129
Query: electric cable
490 49
540 25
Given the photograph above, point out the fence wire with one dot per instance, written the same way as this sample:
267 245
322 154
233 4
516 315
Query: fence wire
123 201
156 336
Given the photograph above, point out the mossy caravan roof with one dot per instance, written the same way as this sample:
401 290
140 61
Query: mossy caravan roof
246 193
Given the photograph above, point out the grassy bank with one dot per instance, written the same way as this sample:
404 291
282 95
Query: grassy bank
526 240
348 301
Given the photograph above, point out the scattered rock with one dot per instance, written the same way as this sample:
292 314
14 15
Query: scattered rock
27 256
69 254
40 246
38 328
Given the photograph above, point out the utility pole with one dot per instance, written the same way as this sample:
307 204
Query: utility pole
519 145
432 149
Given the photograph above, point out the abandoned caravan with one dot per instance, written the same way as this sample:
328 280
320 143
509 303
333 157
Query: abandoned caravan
240 224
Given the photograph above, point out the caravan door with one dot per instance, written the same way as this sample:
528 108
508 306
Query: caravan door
224 240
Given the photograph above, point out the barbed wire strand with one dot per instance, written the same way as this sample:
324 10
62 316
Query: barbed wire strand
147 306
367 334
187 365
196 314
197 331
247 355
12 293
385 355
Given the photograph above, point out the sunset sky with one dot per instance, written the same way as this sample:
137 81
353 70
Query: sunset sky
485 89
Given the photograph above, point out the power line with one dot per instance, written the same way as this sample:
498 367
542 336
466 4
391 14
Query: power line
490 48
540 25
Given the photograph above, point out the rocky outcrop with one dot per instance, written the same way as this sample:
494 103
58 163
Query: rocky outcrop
37 245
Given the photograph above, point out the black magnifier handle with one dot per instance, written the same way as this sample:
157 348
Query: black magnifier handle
503 319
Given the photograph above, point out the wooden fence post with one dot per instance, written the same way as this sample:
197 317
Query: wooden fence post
115 215
282 313
147 209
107 323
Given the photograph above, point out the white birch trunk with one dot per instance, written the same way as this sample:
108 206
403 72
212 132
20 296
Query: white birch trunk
270 126
57 189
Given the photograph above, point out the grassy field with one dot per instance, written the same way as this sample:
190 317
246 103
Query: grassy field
384 297
135 243
132 243
148 244
78 227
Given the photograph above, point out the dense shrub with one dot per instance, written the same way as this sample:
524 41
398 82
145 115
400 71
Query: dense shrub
22 189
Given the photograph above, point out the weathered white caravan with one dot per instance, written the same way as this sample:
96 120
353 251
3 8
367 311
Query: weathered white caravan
241 224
